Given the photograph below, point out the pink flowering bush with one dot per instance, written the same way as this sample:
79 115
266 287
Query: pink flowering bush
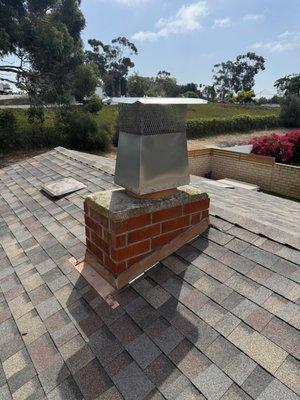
284 148
294 137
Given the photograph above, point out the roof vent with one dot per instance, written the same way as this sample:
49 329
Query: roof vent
62 187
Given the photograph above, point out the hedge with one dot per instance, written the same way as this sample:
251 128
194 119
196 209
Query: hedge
241 123
80 130
30 138
77 130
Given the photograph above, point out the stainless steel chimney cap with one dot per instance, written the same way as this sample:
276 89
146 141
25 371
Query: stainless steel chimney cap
152 149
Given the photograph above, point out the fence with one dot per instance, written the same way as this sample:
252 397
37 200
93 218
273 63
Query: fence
259 170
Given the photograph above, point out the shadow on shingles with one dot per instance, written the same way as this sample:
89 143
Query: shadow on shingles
134 350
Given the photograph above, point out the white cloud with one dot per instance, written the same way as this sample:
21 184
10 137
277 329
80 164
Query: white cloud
222 23
284 42
186 19
132 2
253 17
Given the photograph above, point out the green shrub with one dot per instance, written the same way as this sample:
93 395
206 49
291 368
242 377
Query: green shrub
36 114
241 123
35 136
7 120
82 131
94 105
101 139
290 111
26 137
8 134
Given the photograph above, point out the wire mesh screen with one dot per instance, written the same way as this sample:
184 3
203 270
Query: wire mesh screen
152 119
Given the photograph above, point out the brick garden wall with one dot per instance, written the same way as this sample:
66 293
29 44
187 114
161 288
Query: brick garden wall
200 165
262 171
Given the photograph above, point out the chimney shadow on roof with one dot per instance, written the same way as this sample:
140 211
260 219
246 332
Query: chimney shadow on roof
138 347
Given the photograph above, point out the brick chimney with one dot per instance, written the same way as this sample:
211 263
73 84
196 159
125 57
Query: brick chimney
130 230
128 236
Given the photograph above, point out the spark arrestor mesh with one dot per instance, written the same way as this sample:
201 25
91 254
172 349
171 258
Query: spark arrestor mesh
152 119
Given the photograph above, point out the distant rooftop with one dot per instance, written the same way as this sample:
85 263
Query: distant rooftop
154 100
217 320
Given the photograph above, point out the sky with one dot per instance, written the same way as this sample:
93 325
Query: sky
187 37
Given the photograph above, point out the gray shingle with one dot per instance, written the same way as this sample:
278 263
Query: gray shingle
143 350
169 339
277 391
67 390
133 383
213 383
257 382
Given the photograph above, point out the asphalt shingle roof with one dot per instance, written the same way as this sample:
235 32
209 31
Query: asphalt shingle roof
219 319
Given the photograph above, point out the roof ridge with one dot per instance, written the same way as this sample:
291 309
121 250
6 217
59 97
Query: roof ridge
263 228
78 156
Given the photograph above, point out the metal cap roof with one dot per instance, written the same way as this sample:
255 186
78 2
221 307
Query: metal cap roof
153 100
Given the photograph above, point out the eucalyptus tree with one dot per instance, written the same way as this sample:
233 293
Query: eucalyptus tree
41 50
288 85
113 62
231 77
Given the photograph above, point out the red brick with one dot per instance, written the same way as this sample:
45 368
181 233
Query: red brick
114 267
165 238
99 242
196 206
130 251
145 233
95 250
131 224
134 260
196 218
175 224
117 241
169 213
93 225
98 218
89 244
99 254
86 209
105 236
205 214
88 233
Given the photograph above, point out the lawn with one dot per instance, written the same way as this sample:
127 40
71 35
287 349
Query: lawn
216 110
211 110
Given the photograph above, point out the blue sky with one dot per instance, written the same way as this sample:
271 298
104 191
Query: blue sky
187 37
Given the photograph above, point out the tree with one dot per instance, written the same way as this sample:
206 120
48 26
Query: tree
208 92
272 100
290 110
189 87
138 86
190 94
289 84
230 77
163 85
166 84
85 81
43 36
243 97
113 62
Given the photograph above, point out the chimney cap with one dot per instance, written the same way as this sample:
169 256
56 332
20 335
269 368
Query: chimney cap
154 100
